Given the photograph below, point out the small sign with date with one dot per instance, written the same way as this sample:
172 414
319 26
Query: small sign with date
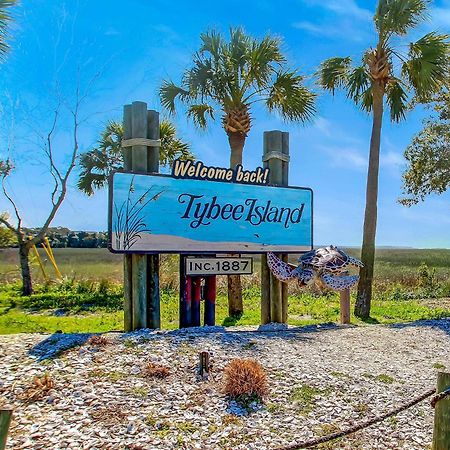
219 266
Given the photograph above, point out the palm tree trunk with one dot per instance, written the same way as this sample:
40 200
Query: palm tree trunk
235 304
24 253
364 295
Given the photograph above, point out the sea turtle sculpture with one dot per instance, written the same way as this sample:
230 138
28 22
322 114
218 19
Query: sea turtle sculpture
323 267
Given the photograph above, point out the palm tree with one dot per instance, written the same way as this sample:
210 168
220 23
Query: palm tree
5 19
228 78
97 164
388 78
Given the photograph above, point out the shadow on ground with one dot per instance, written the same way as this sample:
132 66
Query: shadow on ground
54 345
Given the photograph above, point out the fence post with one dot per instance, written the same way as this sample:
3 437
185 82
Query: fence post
441 432
141 272
273 293
5 420
345 306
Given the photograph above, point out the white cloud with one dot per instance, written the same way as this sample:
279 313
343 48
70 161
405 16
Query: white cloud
348 8
392 160
347 157
310 27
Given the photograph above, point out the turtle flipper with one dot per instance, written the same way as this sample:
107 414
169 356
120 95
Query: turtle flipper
279 268
304 275
339 283
355 262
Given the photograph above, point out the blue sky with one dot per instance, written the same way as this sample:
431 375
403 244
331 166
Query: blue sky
134 45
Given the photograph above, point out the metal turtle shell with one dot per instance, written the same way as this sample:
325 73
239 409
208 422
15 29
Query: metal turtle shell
331 259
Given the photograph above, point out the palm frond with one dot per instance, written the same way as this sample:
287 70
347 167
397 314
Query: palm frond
358 80
5 19
212 42
399 16
333 73
264 57
397 99
198 113
366 102
291 98
427 66
169 92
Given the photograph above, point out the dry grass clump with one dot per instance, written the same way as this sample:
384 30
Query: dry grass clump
98 341
39 389
245 378
112 415
154 370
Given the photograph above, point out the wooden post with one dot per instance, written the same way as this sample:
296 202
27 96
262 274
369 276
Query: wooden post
285 256
275 157
5 420
153 297
141 272
127 259
210 301
196 298
345 306
441 432
139 269
204 364
185 295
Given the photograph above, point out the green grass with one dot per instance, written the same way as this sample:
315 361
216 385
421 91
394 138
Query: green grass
91 293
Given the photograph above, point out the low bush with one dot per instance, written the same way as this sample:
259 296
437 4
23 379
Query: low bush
245 379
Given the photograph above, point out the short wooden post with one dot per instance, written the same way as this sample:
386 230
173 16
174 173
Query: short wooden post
196 298
345 306
441 432
265 291
204 364
5 420
141 272
273 295
210 301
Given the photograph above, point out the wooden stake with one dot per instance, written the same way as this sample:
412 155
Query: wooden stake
441 432
204 364
345 306
5 420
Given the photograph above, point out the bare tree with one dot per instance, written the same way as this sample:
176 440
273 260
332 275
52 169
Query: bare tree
60 176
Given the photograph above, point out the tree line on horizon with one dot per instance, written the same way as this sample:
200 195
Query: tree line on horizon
229 75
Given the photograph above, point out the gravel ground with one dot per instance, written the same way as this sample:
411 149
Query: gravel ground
322 379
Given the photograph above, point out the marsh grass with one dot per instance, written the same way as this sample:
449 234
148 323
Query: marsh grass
90 297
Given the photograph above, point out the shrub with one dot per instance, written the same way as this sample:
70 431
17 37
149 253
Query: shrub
39 388
154 370
244 379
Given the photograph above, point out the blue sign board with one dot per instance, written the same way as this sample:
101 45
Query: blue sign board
163 214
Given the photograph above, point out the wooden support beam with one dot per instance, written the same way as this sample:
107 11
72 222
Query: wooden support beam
345 306
274 141
210 301
196 298
5 420
265 291
139 165
153 294
127 259
441 432
141 272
